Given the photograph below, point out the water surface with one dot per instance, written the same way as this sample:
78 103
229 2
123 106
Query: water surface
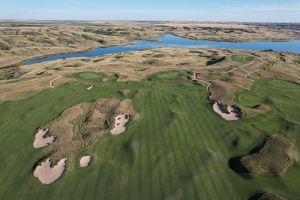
168 40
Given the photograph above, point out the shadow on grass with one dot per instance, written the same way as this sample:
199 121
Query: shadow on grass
235 165
255 196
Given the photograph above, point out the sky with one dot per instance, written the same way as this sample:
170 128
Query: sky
184 10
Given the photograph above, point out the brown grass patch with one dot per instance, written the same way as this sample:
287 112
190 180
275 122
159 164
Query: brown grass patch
276 156
271 196
251 112
80 126
225 81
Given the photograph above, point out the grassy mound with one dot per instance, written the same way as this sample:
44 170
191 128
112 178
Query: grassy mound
276 156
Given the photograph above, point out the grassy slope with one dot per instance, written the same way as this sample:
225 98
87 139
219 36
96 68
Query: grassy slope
242 58
283 97
179 149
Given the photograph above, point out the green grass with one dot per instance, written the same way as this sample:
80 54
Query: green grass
242 58
94 77
178 149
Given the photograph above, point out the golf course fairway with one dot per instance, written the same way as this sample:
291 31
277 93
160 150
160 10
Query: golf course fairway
179 148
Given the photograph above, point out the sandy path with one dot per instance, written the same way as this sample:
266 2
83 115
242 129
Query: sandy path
242 66
249 74
52 81
261 62
194 78
208 84
47 174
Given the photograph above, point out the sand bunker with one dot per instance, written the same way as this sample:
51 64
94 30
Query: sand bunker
271 196
47 174
276 156
91 87
120 122
80 126
40 139
228 113
85 161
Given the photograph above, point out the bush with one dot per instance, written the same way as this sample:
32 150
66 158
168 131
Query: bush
4 46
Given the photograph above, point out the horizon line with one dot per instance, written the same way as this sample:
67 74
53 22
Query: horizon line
126 20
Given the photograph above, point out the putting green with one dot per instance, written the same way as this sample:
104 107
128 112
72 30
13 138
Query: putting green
178 149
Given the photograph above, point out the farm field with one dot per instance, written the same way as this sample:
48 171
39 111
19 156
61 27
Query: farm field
178 148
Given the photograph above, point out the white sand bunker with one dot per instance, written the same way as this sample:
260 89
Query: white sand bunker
40 139
85 161
47 174
120 122
229 114
91 87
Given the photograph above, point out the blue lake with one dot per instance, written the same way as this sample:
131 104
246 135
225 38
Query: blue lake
168 40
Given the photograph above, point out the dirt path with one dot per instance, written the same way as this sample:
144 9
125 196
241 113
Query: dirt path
249 74
242 66
256 63
194 78
52 81
261 62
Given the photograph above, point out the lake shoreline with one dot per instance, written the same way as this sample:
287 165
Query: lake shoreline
171 40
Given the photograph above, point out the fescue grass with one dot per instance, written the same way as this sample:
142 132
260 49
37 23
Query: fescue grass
178 149
6 74
4 46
